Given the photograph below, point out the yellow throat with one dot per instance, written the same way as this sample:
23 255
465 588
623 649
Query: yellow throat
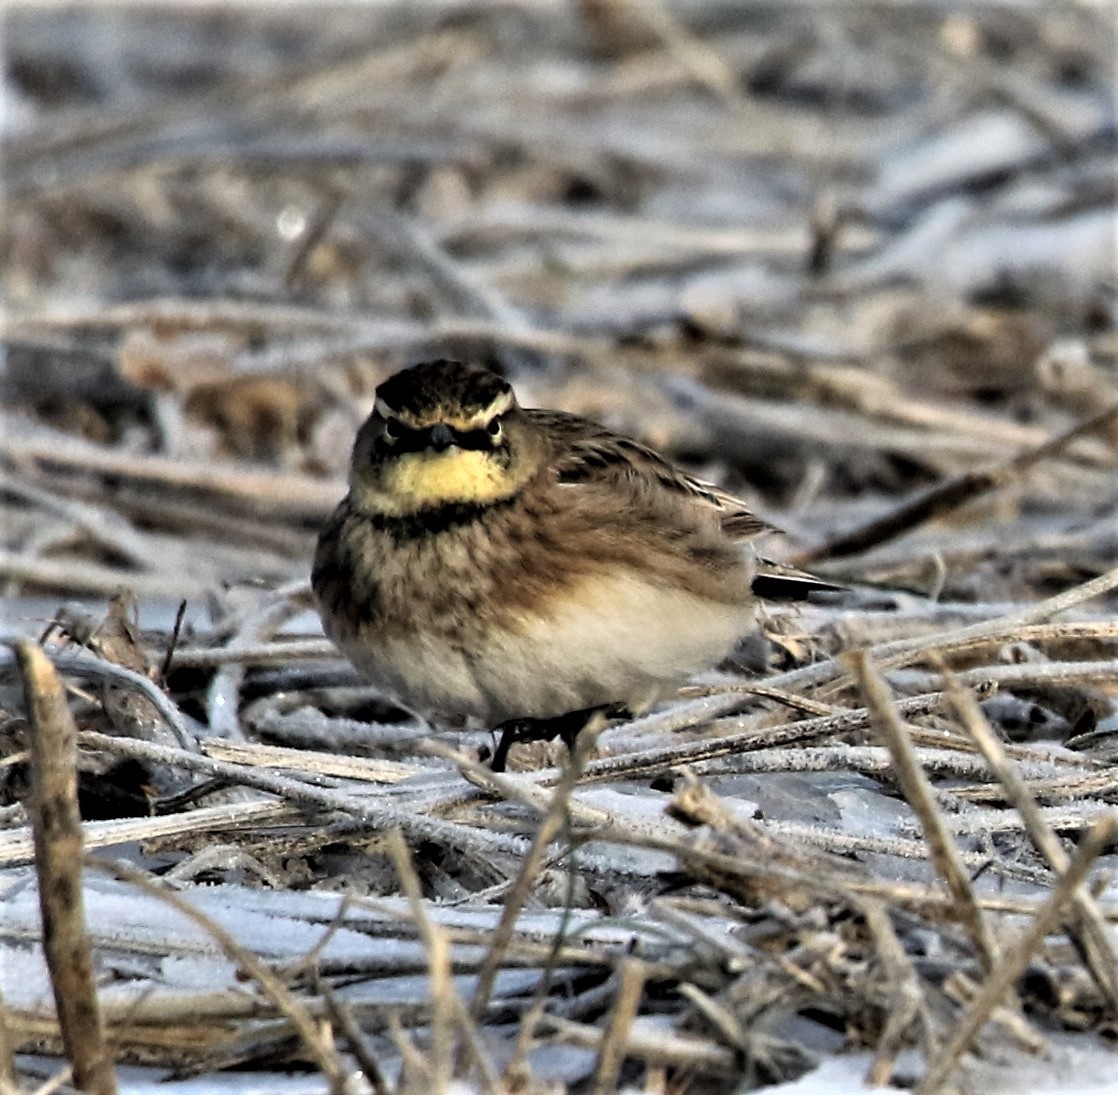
425 479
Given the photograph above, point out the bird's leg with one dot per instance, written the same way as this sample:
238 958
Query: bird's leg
566 727
521 730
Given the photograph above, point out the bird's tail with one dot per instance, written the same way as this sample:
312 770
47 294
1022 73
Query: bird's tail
780 582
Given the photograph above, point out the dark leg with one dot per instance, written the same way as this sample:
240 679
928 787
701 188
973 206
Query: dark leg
565 726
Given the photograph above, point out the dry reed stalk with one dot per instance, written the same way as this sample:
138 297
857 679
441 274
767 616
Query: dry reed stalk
58 863
1017 957
918 793
280 651
343 1018
909 1005
631 976
307 761
17 847
84 664
259 492
317 1041
676 1051
721 1018
414 826
649 762
447 1009
58 1081
80 574
7 1054
949 495
413 1066
223 697
549 828
898 652
1090 932
736 869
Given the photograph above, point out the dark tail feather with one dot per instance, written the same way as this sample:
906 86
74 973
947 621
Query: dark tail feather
779 582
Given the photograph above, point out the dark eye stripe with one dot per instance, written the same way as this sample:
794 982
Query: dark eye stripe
418 440
481 440
410 441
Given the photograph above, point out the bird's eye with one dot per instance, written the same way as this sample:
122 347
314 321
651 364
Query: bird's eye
495 429
392 429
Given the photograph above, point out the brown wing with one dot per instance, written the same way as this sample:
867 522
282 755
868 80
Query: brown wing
585 452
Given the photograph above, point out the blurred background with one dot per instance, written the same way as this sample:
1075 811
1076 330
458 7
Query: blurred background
826 254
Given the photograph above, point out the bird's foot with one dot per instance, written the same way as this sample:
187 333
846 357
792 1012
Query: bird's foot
566 727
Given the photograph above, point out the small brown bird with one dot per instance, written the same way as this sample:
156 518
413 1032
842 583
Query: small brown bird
528 567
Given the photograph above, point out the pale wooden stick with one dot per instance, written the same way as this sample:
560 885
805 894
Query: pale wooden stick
58 863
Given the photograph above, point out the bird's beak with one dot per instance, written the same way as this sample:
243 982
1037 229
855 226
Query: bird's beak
441 437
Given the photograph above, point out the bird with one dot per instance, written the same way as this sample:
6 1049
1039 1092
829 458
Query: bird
527 567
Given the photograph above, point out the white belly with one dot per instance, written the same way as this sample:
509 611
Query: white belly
620 641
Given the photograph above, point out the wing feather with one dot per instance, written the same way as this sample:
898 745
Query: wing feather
585 452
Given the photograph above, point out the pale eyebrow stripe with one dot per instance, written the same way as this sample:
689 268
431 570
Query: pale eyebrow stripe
500 404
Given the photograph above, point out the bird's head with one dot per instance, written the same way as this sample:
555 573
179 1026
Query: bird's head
442 433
